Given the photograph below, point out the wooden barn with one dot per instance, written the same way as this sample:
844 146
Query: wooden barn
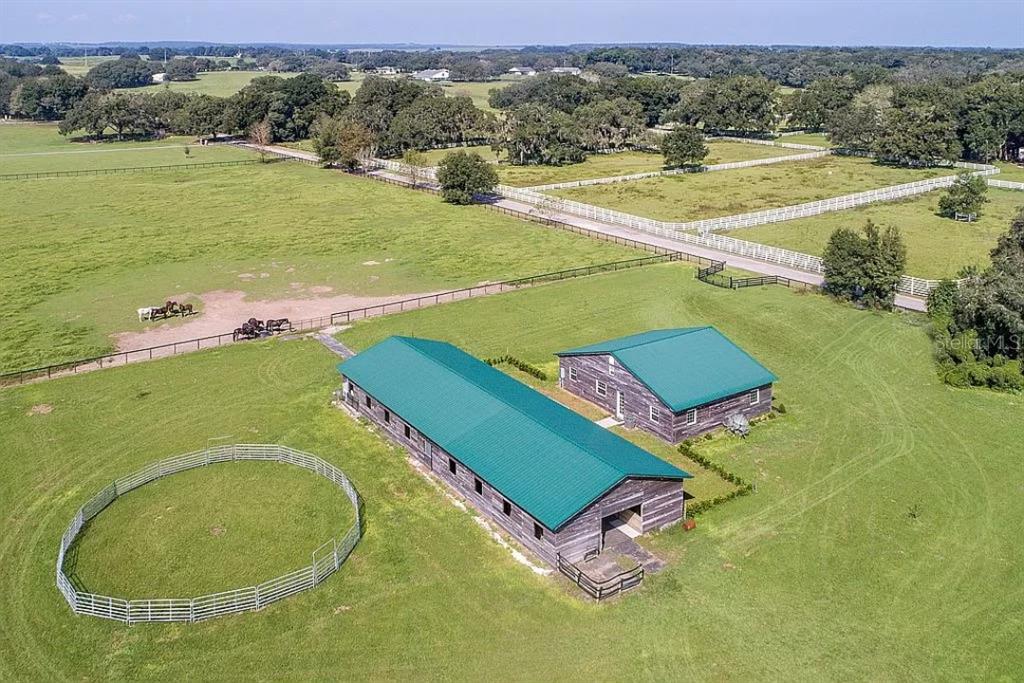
549 477
676 383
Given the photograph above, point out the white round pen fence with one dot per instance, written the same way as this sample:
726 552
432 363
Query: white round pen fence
325 560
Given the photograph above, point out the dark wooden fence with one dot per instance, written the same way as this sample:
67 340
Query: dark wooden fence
351 315
601 589
126 169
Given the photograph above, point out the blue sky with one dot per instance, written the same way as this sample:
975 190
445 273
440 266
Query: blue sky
987 23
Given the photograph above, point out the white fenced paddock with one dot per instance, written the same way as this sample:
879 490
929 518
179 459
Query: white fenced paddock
325 560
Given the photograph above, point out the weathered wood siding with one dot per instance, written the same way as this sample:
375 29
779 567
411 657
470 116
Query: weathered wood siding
637 399
713 415
661 505
661 500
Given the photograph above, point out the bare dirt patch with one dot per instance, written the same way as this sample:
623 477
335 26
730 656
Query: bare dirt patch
217 530
41 409
223 311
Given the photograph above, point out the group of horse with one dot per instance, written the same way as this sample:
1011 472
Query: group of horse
253 328
167 310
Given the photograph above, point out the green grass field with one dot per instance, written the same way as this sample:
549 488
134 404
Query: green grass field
1008 171
694 196
247 521
83 253
478 91
33 148
936 247
818 139
217 83
822 574
626 163
434 156
79 66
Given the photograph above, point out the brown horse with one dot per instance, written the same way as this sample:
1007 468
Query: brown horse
186 309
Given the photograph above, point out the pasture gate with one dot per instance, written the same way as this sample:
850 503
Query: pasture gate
325 560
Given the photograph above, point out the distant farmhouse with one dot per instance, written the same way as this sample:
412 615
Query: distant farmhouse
676 383
571 70
432 75
555 481
386 71
159 78
522 71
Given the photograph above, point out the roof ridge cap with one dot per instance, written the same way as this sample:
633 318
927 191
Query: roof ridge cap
543 426
678 332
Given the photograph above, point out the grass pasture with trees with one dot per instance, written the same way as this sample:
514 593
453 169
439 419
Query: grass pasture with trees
885 502
36 148
111 244
216 83
693 196
937 247
627 163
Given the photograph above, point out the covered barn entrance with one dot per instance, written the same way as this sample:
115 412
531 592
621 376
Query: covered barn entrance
622 526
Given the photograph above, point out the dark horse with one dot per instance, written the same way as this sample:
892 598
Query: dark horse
279 324
246 331
186 309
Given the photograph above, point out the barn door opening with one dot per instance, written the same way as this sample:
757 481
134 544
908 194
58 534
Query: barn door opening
621 526
618 404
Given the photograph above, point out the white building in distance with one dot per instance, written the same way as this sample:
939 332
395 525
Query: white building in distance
431 75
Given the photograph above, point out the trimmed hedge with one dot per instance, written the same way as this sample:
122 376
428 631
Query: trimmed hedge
744 487
518 365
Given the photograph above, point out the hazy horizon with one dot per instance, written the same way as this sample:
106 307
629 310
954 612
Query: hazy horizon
459 23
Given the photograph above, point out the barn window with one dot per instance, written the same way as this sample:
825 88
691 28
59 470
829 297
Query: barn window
600 387
538 531
611 365
387 415
755 397
655 414
478 486
452 467
367 400
408 432
572 373
506 507
691 416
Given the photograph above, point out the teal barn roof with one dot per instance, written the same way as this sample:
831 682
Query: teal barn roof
685 367
543 457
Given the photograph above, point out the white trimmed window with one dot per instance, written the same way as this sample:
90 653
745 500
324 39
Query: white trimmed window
572 373
611 365
755 397
655 414
600 387
691 416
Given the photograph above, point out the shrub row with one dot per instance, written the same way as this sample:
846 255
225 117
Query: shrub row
518 365
743 487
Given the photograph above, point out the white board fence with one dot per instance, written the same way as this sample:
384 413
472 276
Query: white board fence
325 560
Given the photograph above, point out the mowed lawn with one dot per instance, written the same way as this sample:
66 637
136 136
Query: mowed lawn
81 254
36 148
937 247
885 503
694 196
627 163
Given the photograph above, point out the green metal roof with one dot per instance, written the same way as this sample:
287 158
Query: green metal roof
543 457
684 367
